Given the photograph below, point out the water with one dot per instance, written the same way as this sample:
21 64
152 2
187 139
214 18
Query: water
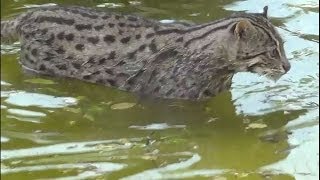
66 129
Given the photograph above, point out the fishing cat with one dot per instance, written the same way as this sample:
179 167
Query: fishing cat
145 56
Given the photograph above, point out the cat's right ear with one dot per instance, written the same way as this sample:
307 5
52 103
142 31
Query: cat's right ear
242 28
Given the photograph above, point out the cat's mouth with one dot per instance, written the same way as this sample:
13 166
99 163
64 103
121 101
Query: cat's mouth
271 73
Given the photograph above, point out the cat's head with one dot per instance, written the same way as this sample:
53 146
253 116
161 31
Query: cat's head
260 47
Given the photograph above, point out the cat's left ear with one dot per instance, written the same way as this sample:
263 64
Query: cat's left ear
265 12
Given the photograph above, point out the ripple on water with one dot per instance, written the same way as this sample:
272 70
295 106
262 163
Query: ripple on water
26 113
34 99
157 126
87 169
10 49
303 159
111 5
4 139
3 83
66 148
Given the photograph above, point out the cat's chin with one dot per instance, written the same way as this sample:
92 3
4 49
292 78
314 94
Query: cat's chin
273 76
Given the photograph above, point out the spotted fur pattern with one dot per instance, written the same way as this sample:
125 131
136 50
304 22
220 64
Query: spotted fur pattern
144 56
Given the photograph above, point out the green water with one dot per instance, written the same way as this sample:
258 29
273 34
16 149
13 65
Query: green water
60 128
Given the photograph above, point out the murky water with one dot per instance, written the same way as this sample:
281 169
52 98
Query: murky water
66 129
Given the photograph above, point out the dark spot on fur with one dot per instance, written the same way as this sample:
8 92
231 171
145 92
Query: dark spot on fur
197 60
61 66
180 39
117 17
132 54
111 82
81 27
76 65
44 31
47 58
84 14
105 17
93 40
125 40
49 54
169 31
205 46
131 80
102 60
154 74
168 93
132 18
142 47
166 54
42 67
138 36
50 71
69 37
98 27
121 24
157 89
34 52
33 33
26 56
79 47
89 15
100 81
120 63
96 73
50 40
109 71
60 50
57 20
150 35
111 25
153 46
91 60
156 28
109 38
122 75
207 93
133 25
60 35
69 58
112 55
161 80
86 77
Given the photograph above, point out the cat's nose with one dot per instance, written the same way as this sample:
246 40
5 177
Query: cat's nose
286 66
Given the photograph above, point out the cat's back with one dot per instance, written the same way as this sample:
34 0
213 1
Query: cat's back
88 44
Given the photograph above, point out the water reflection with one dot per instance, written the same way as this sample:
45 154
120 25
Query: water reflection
40 100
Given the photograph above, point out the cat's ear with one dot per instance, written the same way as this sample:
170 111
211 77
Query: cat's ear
242 28
265 12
